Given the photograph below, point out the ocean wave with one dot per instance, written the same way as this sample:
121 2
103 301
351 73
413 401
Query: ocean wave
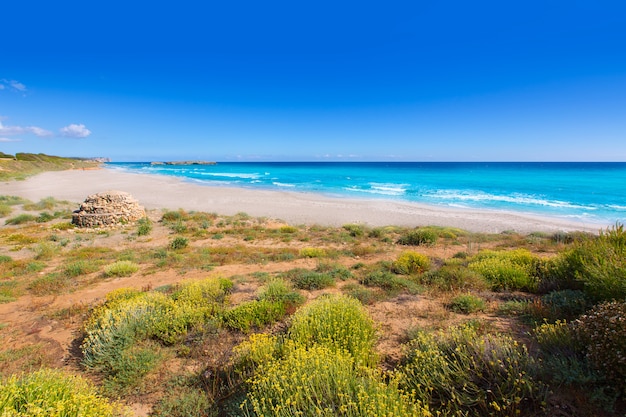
230 175
282 184
381 189
457 195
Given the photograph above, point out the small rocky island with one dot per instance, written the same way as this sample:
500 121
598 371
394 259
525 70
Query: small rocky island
184 163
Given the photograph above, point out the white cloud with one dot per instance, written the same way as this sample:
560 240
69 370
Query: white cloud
10 140
12 85
75 131
19 130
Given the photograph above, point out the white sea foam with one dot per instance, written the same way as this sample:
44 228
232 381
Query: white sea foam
386 188
282 184
457 195
230 175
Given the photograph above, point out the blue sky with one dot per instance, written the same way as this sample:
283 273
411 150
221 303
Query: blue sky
272 81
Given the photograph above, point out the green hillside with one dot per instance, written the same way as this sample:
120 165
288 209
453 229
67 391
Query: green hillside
23 165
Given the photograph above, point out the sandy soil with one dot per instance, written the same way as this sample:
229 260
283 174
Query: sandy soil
161 192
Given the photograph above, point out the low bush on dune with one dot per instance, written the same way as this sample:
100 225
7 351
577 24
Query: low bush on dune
466 304
254 314
121 269
454 277
508 270
417 237
144 226
410 262
458 371
337 322
319 381
312 252
597 265
129 318
21 219
322 367
53 393
305 279
602 332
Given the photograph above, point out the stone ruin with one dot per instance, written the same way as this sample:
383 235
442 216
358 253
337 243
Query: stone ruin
106 209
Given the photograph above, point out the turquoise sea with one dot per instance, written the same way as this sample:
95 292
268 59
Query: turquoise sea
587 192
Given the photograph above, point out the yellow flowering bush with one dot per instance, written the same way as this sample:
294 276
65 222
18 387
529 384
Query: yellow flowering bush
129 316
337 322
411 262
459 371
53 393
319 381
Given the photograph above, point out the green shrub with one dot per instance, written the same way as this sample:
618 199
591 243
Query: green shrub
53 393
47 203
564 363
460 372
8 291
254 314
82 267
21 219
364 295
335 270
52 283
179 242
44 217
603 331
121 269
186 402
12 200
337 322
389 282
172 216
419 237
355 230
305 279
557 338
129 316
144 226
288 229
131 365
45 250
508 270
278 290
453 277
410 262
599 264
5 210
467 304
564 304
312 252
62 226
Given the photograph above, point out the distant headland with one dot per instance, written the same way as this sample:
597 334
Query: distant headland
184 163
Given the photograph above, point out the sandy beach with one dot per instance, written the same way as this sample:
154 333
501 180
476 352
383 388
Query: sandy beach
161 192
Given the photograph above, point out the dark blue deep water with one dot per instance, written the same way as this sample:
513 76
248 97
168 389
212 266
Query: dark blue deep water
588 192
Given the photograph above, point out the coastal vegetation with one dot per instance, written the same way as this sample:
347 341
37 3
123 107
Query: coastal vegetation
23 165
199 314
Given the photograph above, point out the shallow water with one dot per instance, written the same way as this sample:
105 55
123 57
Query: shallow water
589 192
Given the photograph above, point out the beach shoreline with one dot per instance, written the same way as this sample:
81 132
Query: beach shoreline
164 192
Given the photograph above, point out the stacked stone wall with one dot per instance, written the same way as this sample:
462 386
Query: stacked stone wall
109 208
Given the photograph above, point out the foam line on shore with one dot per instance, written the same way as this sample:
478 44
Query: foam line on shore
163 192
